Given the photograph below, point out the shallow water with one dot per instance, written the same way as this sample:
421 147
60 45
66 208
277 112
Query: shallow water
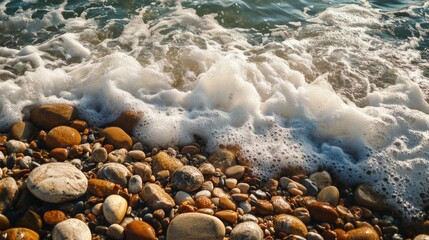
339 85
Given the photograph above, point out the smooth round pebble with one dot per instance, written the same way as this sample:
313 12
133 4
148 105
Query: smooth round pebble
329 194
187 178
114 208
182 196
290 225
138 230
115 232
20 233
99 155
195 226
57 182
247 231
135 184
114 172
62 137
71 229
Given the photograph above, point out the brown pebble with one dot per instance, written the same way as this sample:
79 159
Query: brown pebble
238 197
289 224
322 212
236 172
117 137
137 230
4 222
190 149
53 217
21 131
303 214
329 235
163 161
280 205
79 125
226 203
364 233
50 116
341 234
60 154
203 202
264 207
19 233
128 120
62 137
30 220
102 188
227 215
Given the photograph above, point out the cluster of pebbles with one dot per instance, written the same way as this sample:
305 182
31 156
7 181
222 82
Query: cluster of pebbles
62 180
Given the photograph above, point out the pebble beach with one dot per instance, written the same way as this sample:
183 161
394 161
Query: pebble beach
63 179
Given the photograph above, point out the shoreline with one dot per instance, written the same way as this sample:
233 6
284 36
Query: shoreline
120 189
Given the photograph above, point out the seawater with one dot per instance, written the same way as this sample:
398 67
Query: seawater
309 85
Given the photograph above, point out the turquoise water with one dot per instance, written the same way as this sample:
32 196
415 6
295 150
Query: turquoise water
336 85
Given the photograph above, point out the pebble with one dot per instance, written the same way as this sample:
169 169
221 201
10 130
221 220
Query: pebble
102 188
321 179
247 231
238 197
19 233
280 205
114 208
195 226
207 185
137 155
230 182
21 131
99 155
329 194
57 182
138 230
50 116
4 222
303 214
312 189
9 193
128 120
117 156
62 137
247 208
226 203
227 215
207 169
117 137
222 159
114 172
264 207
219 192
143 170
53 217
363 233
60 154
182 196
421 237
236 172
364 196
135 184
156 197
322 212
249 218
205 193
244 187
71 229
15 146
115 232
290 225
163 161
187 178
30 220
203 202
207 211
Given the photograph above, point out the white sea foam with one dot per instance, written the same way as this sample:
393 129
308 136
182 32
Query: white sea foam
338 98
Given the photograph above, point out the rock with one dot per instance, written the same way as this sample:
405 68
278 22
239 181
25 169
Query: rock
137 230
114 208
4 222
421 237
230 183
329 194
57 182
219 192
195 226
264 207
245 205
366 197
249 218
207 169
238 197
321 179
114 172
363 233
222 159
30 220
181 197
143 170
102 188
53 217
117 137
163 161
62 137
128 120
8 193
244 187
290 225
236 172
135 184
303 214
247 231
50 116
115 232
155 197
313 236
79 125
99 155
117 155
15 146
71 229
190 149
280 205
203 202
136 155
60 154
227 216
312 189
19 233
226 203
322 212
187 178
21 131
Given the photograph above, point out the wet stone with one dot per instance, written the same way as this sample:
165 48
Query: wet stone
187 178
53 217
195 226
114 208
156 197
30 220
117 156
50 116
9 193
312 189
227 216
71 229
222 159
117 137
115 232
62 137
247 231
322 212
114 172
330 195
19 233
290 225
21 131
143 170
321 179
163 161
102 188
207 169
366 197
280 205
264 207
137 230
99 155
57 182
182 196
236 172
363 233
